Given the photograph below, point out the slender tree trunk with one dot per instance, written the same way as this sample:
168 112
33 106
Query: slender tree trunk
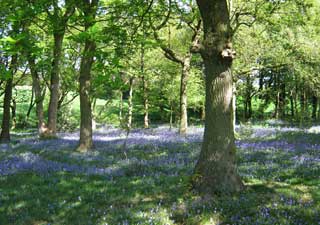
130 104
303 107
248 108
185 62
216 168
94 115
234 108
14 112
292 104
295 101
171 114
314 107
145 104
282 100
145 90
5 126
120 107
248 105
183 95
39 97
85 142
31 104
54 85
276 109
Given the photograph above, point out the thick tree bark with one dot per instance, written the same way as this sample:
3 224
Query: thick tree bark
5 126
203 113
39 97
216 170
54 85
183 94
85 142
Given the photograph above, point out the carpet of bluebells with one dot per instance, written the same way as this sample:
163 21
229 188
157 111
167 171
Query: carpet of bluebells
145 178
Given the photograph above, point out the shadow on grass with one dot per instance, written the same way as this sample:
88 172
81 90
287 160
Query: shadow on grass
63 198
282 188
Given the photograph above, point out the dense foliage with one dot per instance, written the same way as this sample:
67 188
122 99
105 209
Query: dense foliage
275 69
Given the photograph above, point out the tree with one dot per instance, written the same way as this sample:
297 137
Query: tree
89 9
193 25
216 168
58 22
31 51
5 126
10 43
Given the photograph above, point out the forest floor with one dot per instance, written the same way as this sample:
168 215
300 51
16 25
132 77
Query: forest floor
145 180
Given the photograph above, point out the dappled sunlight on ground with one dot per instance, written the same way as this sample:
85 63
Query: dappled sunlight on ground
146 181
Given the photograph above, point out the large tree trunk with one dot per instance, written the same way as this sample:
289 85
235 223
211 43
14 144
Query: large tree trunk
54 85
85 142
216 168
36 86
5 126
183 95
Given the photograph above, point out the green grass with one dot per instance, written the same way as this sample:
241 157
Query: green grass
64 198
69 199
